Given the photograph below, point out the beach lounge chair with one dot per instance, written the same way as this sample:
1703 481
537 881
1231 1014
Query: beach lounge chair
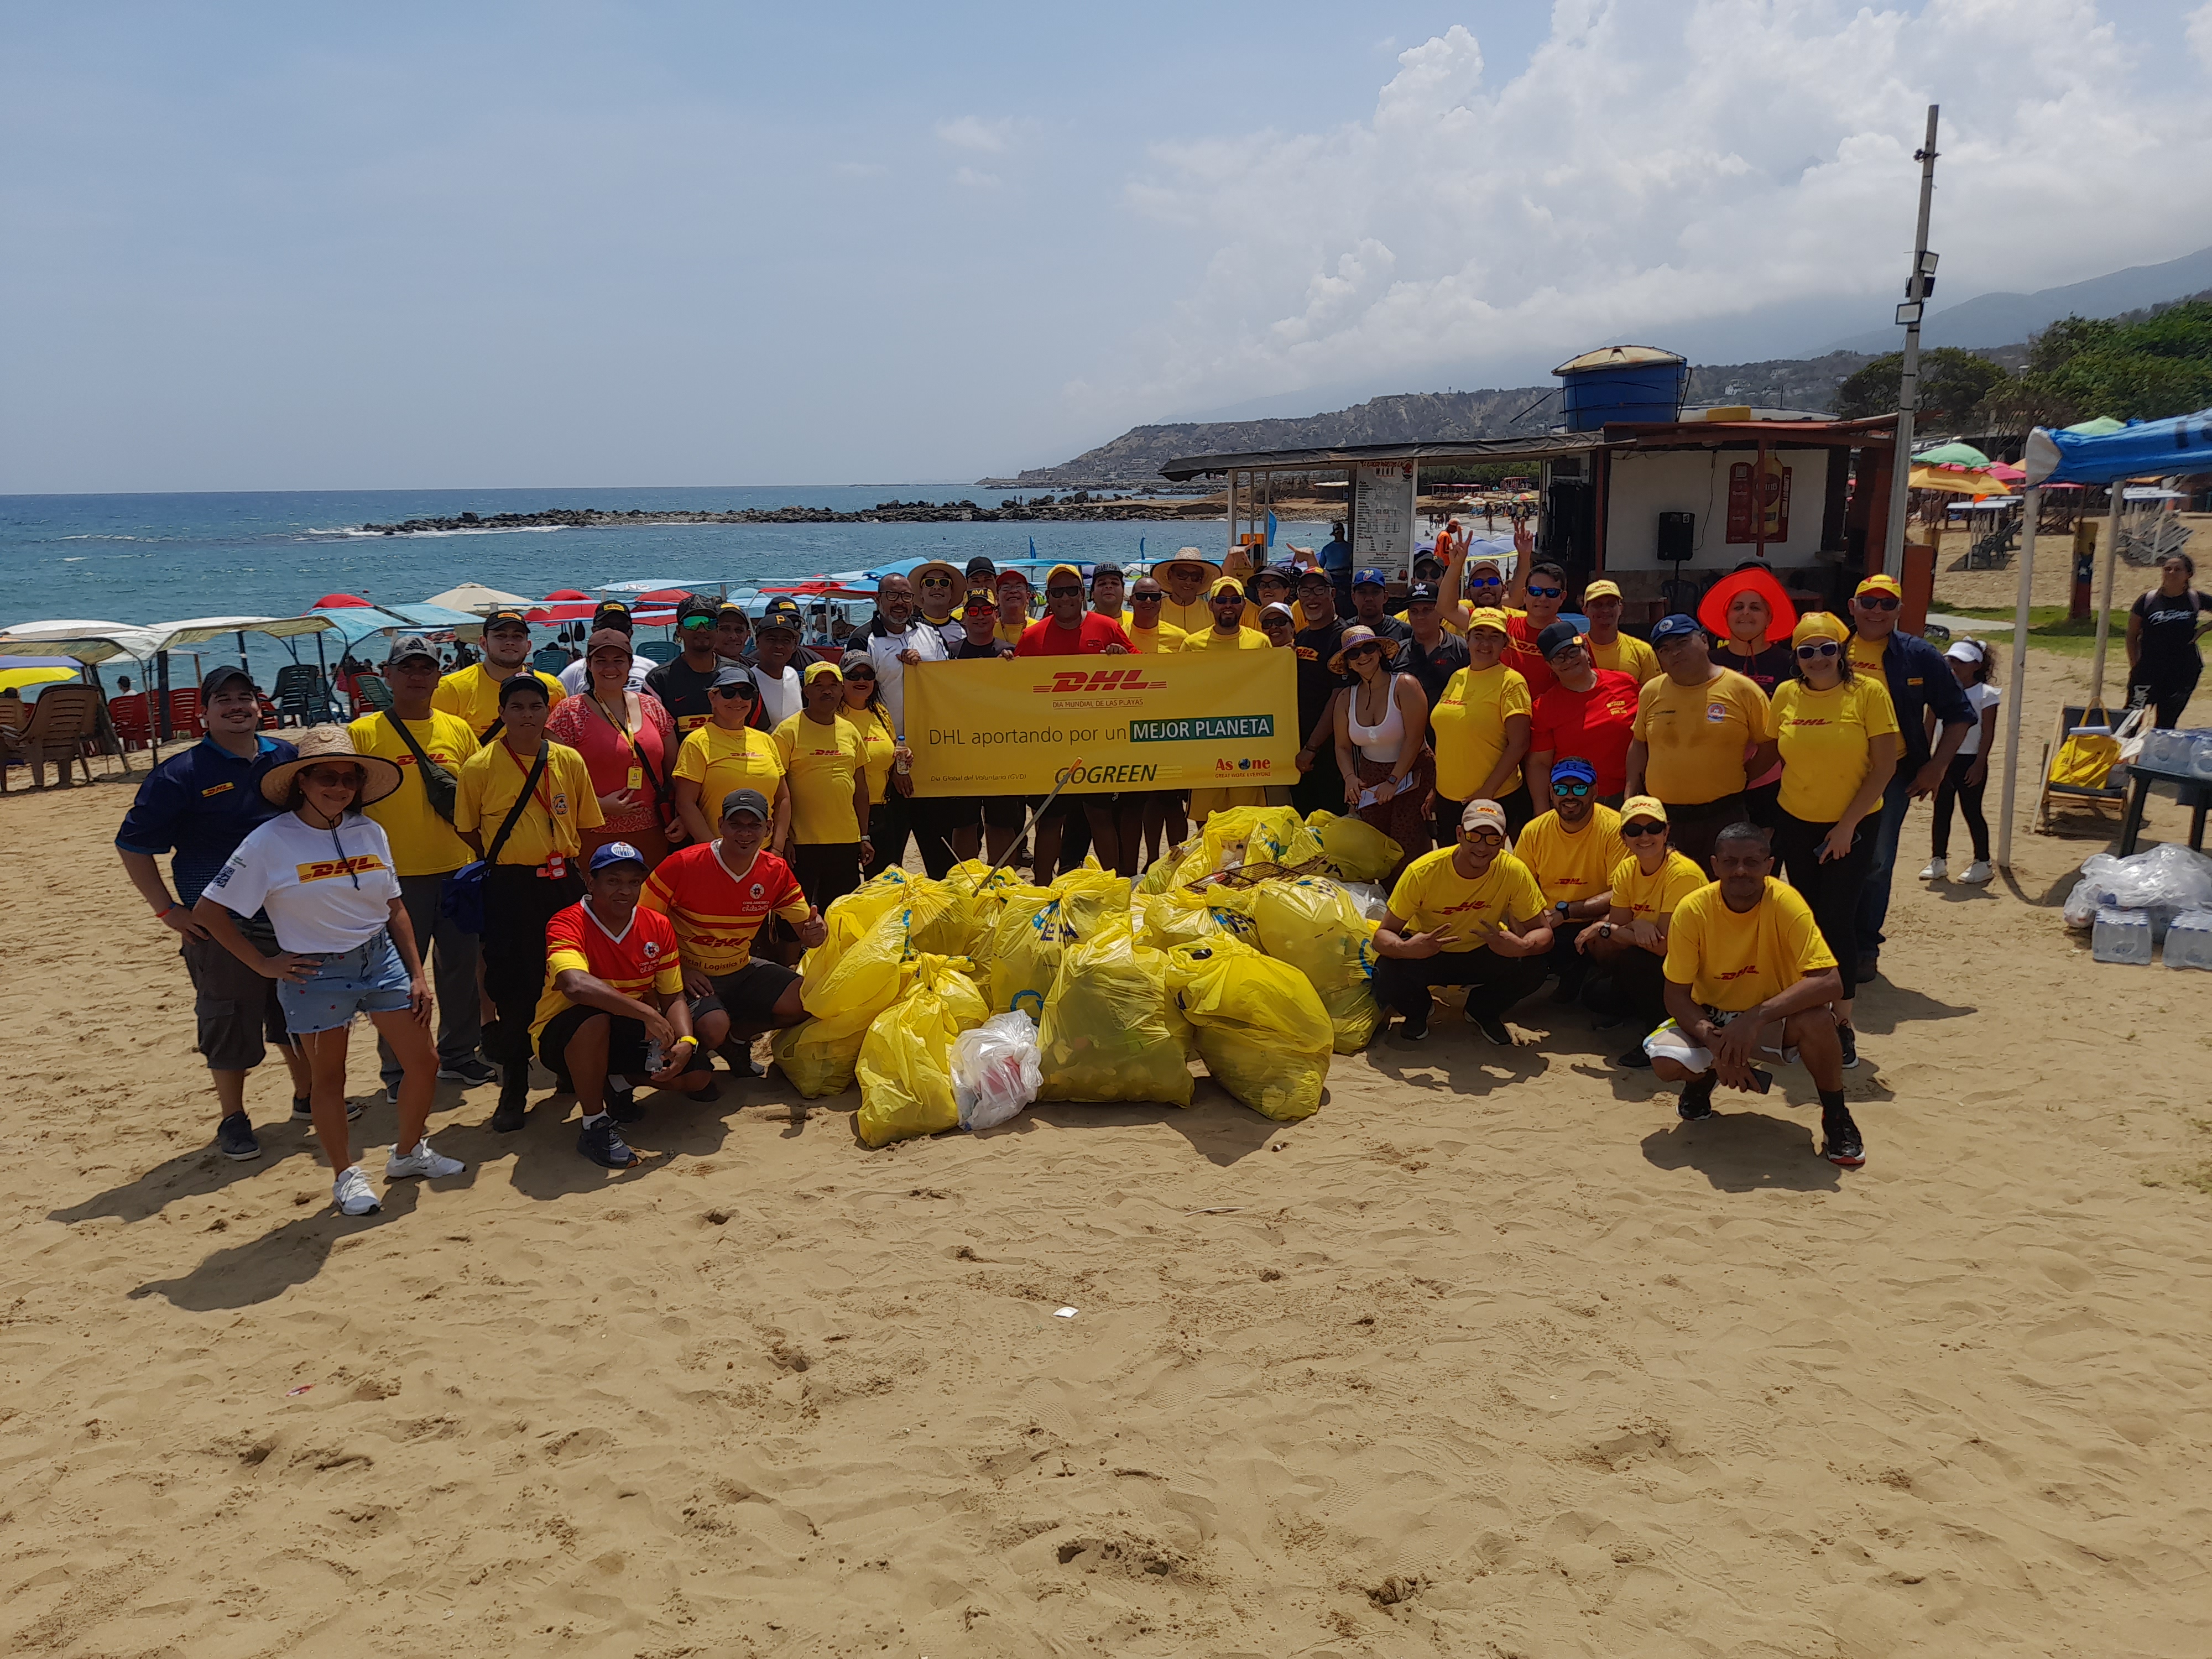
2071 718
64 720
370 694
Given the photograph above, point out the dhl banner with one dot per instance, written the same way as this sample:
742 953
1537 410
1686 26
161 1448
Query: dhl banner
1196 720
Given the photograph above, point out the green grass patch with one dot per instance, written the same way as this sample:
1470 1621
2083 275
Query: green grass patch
2051 629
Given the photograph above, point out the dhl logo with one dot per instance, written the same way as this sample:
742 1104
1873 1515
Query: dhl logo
1099 679
1744 972
323 869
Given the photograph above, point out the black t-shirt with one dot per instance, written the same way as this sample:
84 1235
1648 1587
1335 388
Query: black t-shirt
1316 684
1773 665
1390 627
969 650
682 689
2168 639
1434 668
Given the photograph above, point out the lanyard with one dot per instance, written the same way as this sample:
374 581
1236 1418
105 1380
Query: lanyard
543 793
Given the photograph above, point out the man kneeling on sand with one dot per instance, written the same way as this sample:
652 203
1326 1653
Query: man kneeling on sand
1749 975
1467 915
613 1006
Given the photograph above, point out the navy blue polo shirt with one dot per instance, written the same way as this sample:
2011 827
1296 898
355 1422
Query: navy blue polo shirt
1920 679
199 806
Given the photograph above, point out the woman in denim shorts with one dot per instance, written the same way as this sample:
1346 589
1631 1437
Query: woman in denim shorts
324 873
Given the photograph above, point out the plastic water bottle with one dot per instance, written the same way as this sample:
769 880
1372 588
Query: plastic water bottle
652 1061
2189 940
2121 936
2200 762
2165 751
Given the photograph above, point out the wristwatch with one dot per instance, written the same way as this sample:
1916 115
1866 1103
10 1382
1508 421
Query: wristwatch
1562 907
1605 930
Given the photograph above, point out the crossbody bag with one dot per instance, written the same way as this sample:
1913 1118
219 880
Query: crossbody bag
462 897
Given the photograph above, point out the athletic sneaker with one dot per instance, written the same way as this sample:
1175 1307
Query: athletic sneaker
303 1111
599 1143
1636 1060
1491 1027
1978 874
1413 1027
234 1138
470 1070
738 1057
1850 1040
1696 1105
420 1161
391 1092
1937 870
1839 1136
352 1194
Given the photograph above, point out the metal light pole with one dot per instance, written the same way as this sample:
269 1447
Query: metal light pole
1918 287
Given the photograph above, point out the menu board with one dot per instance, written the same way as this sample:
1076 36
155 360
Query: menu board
1383 515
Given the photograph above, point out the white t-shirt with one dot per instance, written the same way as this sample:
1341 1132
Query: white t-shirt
306 879
884 649
577 674
779 699
1979 698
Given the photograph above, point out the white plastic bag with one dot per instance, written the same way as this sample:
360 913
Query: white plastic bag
1373 903
995 1070
2164 881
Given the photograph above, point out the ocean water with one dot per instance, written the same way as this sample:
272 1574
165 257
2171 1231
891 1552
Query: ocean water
157 558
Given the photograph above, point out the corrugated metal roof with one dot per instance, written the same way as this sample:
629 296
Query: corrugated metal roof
1542 447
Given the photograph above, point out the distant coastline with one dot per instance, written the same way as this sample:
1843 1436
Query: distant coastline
1046 509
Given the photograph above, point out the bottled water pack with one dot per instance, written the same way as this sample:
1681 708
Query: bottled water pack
2189 940
2121 936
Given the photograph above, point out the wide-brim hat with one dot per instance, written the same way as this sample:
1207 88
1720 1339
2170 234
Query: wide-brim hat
951 573
1713 609
1352 638
317 744
1188 555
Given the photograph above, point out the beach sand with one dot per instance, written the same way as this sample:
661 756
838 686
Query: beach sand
1492 1357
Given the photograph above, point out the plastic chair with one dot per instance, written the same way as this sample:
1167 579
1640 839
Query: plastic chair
549 659
132 715
185 714
370 694
658 650
300 695
62 721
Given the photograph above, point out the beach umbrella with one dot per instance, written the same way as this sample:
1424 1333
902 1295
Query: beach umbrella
1956 481
2006 473
1952 454
2102 426
337 601
17 672
567 593
473 598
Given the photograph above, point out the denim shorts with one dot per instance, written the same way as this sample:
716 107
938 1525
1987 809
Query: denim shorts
368 979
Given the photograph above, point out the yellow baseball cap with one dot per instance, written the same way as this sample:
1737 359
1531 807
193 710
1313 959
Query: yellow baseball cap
1227 587
1488 617
1063 570
1883 584
1601 589
815 670
1821 625
1641 806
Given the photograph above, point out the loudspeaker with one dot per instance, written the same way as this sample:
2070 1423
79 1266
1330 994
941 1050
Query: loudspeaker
1677 536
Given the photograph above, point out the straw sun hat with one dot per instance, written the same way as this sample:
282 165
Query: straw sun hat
319 744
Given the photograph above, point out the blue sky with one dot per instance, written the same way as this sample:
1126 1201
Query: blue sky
276 247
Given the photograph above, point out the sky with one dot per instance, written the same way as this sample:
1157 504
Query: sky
248 247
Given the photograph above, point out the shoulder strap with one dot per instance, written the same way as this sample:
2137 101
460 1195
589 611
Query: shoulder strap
521 800
406 737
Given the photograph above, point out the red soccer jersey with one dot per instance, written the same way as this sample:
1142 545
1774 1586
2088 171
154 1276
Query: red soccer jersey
640 962
1048 638
716 914
1522 656
1594 724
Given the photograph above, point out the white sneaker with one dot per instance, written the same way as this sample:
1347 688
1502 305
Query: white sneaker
1977 872
420 1161
352 1194
1936 870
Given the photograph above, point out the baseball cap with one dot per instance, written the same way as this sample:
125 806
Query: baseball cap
501 615
1421 593
1676 626
1557 637
1824 625
1488 617
1573 769
1883 584
782 613
405 648
1368 579
617 852
1227 587
1104 568
1273 573
1482 815
1428 562
1006 577
1276 608
982 565
1059 570
1967 651
1642 806
1314 573
611 613
979 604
608 639
696 612
745 800
1602 588
221 675
815 670
730 674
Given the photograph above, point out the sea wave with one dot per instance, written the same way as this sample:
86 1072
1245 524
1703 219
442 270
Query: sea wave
354 533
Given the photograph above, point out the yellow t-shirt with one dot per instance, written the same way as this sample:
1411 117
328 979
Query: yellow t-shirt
1827 739
1433 893
1654 897
1242 639
1008 633
1629 654
1253 608
1467 727
1865 656
473 695
1698 736
1733 962
1567 867
874 727
561 807
819 762
422 843
1192 619
719 760
1151 642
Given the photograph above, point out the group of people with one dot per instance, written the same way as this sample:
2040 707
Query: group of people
646 849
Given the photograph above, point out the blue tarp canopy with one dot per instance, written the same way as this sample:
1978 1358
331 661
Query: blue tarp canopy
353 623
2138 450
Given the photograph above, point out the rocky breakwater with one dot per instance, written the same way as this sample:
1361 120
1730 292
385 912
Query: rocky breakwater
1078 506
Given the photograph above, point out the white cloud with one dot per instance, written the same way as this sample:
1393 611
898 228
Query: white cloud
972 178
2200 34
972 132
1660 165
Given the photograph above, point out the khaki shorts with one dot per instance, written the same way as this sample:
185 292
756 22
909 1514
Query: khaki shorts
1669 1043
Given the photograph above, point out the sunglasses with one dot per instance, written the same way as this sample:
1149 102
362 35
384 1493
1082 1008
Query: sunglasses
334 777
1818 648
1488 837
1369 650
690 623
862 678
1878 601
1576 787
1642 827
1145 598
748 690
1274 622
937 581
1536 592
1063 592
1484 582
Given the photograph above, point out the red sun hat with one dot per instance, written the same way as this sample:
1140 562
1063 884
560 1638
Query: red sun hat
1713 609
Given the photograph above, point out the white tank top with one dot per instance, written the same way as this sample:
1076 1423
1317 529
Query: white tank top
1379 744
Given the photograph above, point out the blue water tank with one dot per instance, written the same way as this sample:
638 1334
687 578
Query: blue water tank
1623 383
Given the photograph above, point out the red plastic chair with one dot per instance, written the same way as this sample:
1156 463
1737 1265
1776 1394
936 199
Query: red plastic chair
133 717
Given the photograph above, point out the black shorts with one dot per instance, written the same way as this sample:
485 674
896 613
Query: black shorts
235 1008
1008 811
625 1043
748 997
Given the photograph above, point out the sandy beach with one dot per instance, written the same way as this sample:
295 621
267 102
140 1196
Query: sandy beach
1491 1357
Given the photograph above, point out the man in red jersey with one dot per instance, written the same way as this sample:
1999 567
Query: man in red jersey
719 894
1066 629
1589 711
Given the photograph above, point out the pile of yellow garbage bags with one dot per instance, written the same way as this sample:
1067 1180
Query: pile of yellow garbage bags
1260 980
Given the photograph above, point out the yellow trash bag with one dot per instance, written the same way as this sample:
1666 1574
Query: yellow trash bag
1109 1031
1249 835
1357 848
843 992
1262 1031
1092 898
905 1065
948 918
1170 919
1162 875
2085 760
1315 927
1025 947
851 918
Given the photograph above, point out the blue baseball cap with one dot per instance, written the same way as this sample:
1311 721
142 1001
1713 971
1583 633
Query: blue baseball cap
1573 769
1675 626
617 852
1369 579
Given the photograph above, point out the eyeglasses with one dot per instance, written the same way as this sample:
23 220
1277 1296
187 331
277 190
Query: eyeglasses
1818 648
1063 592
1878 601
937 581
1642 827
1576 787
1488 837
1484 582
1536 592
